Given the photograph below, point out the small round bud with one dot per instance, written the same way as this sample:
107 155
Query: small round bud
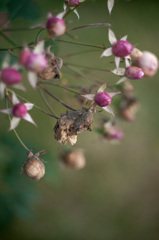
72 3
122 48
74 159
34 168
36 62
10 76
19 110
56 26
148 63
103 99
136 54
24 55
133 72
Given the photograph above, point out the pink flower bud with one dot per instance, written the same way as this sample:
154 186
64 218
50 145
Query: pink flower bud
72 3
10 76
19 110
133 72
103 99
148 63
113 131
24 55
122 48
56 26
36 62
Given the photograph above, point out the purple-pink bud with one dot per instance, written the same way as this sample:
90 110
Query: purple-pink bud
148 63
19 110
24 55
103 99
36 62
56 26
133 72
10 76
72 3
122 48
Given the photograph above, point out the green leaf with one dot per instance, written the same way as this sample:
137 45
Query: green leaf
25 9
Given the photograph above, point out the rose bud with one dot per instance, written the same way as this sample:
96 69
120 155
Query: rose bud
10 76
74 159
19 110
72 3
55 26
34 168
122 48
103 99
24 55
136 54
36 62
148 63
133 72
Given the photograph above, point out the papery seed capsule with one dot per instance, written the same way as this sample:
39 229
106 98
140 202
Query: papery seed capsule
133 72
103 99
36 62
74 159
10 76
56 26
136 54
34 168
148 63
24 55
19 110
122 48
72 3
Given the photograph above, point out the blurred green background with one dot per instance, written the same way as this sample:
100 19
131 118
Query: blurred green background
116 196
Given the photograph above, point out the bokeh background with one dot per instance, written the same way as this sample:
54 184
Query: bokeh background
116 196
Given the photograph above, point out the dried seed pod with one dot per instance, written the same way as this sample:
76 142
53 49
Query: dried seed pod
128 107
73 122
74 159
54 66
34 168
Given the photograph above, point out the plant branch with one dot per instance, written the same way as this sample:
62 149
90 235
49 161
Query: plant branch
90 25
51 95
7 38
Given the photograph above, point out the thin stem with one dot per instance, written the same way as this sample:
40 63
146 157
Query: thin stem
38 34
7 38
79 43
71 10
60 86
46 102
90 25
87 67
78 53
21 29
51 95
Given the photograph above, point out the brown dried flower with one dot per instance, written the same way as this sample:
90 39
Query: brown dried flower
73 122
74 159
54 66
128 107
